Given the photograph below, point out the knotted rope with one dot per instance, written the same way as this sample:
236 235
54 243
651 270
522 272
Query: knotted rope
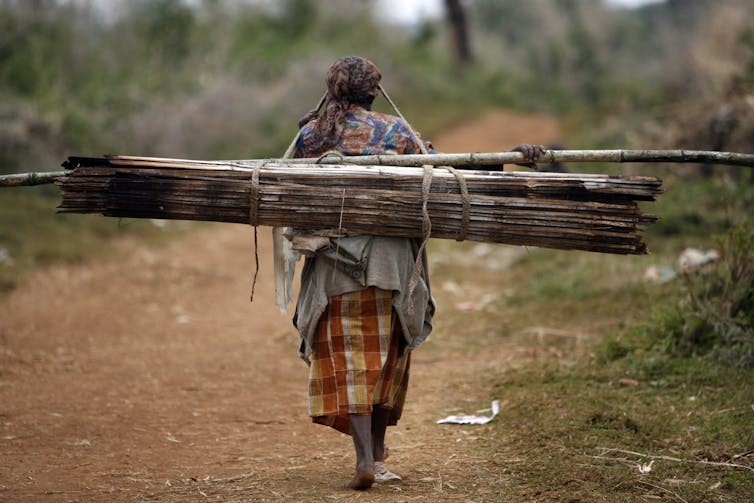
254 219
466 211
254 195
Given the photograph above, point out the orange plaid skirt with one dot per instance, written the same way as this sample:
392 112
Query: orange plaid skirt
358 360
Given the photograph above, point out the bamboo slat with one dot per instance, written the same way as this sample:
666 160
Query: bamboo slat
585 212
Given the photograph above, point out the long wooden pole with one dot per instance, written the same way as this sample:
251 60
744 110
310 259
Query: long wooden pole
496 158
29 179
463 160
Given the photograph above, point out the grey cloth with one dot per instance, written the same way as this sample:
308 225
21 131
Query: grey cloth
389 265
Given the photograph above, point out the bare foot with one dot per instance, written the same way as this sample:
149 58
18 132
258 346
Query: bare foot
362 480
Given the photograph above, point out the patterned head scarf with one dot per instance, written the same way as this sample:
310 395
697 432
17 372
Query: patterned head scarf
349 80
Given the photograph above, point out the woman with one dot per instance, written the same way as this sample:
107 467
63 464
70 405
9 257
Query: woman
357 316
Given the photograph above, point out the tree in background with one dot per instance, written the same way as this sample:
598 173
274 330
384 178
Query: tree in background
459 33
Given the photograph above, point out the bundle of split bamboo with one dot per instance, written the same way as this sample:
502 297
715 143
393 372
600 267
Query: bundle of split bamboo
554 210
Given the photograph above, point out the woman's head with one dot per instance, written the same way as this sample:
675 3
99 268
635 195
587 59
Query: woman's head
353 80
350 80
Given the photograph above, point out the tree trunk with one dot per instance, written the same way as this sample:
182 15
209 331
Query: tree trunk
459 32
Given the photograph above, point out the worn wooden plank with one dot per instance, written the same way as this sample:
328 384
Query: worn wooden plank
589 212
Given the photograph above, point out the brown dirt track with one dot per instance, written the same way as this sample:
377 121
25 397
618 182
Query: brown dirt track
148 376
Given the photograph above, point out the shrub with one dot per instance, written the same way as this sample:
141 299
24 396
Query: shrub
714 315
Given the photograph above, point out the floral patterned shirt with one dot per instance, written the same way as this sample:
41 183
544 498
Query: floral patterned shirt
365 133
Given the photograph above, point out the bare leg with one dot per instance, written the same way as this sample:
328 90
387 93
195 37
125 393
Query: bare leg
361 432
380 417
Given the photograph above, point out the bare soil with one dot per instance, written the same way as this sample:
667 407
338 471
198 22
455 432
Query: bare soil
499 130
148 376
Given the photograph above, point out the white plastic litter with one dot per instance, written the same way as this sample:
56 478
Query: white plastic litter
659 274
5 257
472 419
691 258
646 468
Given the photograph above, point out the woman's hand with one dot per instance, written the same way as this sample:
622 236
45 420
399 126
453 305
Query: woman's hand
531 154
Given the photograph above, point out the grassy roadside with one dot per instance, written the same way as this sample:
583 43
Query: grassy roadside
591 390
573 412
576 434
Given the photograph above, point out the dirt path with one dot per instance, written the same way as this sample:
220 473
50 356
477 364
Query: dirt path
150 377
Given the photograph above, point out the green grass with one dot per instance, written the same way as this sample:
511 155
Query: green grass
552 436
577 292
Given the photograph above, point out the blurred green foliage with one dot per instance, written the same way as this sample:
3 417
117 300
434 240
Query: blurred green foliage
693 208
710 314
88 77
91 77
